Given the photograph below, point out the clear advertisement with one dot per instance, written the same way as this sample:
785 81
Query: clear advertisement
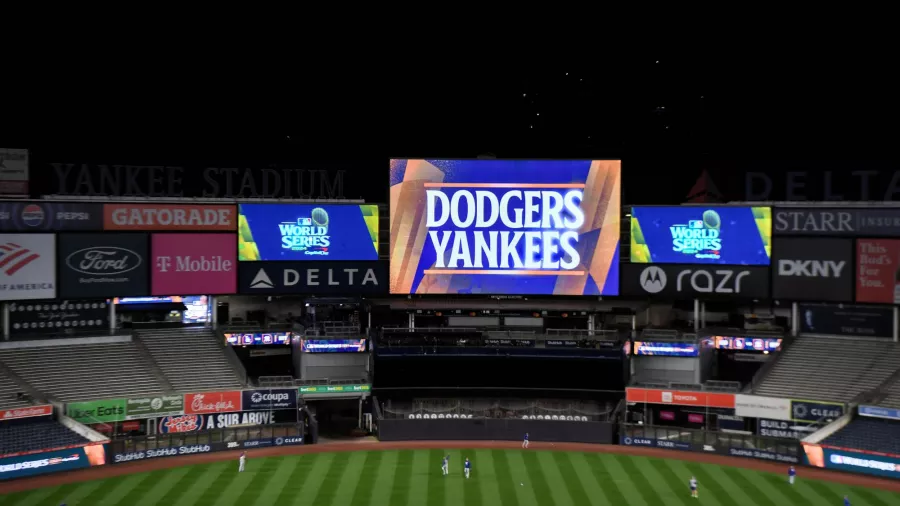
199 264
50 216
103 265
656 443
815 411
846 320
275 398
665 349
172 217
334 345
878 271
335 278
701 235
813 269
258 339
675 282
308 232
27 266
874 222
58 317
52 462
511 227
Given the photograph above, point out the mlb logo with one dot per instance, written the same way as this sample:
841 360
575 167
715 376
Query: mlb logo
304 221
695 224
267 338
667 397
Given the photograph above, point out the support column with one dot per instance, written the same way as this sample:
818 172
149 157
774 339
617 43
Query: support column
112 317
896 323
696 314
591 324
360 412
795 320
6 321
412 321
702 314
213 313
369 326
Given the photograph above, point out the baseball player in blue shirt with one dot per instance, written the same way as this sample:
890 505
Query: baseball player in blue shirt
525 442
445 467
792 473
468 468
846 501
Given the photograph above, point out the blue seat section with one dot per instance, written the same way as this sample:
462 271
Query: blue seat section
25 437
870 434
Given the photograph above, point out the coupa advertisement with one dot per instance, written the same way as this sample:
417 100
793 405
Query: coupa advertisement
308 232
701 235
505 226
52 461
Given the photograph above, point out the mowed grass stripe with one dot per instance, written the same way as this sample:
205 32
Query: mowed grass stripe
277 481
759 481
538 481
604 479
619 479
142 487
455 485
488 481
399 492
158 494
435 495
554 477
113 489
419 483
590 486
509 476
322 465
679 489
747 487
565 473
296 479
384 479
868 496
190 492
325 488
818 490
740 494
260 476
48 495
666 487
786 489
366 481
706 484
645 488
345 487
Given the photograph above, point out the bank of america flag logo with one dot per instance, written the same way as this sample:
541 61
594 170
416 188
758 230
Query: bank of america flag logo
261 280
14 257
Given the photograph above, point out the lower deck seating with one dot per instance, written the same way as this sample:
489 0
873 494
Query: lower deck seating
25 437
870 434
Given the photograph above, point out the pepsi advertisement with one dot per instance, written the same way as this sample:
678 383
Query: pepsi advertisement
307 232
701 235
49 216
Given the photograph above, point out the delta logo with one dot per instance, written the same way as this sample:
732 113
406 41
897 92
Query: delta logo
14 257
307 235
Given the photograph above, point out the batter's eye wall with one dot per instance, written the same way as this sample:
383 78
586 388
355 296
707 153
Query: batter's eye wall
495 430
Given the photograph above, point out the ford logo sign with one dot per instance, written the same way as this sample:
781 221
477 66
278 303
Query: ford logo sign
103 261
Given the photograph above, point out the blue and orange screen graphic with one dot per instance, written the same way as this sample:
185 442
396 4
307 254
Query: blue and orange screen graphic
505 226
701 235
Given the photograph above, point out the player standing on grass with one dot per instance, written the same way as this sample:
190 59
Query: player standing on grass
846 501
243 461
445 467
792 473
525 442
694 493
468 468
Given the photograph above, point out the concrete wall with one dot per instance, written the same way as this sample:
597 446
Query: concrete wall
495 430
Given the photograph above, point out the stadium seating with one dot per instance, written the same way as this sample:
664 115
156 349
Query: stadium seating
84 372
830 369
192 359
870 434
893 395
8 394
24 437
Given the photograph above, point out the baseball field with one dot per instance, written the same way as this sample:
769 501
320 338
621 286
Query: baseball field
503 476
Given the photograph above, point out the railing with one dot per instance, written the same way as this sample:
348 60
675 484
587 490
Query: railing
726 443
709 386
228 435
722 386
255 327
490 408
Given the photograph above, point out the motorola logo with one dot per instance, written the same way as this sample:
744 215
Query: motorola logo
653 280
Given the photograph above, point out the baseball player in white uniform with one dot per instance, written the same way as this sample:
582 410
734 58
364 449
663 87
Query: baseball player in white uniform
243 462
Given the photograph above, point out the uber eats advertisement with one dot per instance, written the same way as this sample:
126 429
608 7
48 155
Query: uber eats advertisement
513 227
701 235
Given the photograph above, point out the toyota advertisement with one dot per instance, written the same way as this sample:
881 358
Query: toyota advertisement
308 232
512 227
673 282
27 266
813 269
878 271
49 216
701 235
195 263
103 265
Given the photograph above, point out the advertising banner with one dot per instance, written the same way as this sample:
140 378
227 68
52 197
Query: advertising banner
701 235
855 461
308 232
333 345
334 389
49 216
333 278
844 222
13 172
28 412
785 429
27 266
695 281
194 264
180 423
57 317
172 217
878 271
108 410
152 407
813 269
679 398
286 441
194 423
52 461
665 349
815 411
212 402
103 265
259 339
746 343
879 412
846 320
512 227
656 443
755 406
276 398
174 451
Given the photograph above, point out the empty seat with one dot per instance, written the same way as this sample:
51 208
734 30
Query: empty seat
192 359
9 392
869 434
26 437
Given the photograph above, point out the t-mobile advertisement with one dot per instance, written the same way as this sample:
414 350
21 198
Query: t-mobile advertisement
196 264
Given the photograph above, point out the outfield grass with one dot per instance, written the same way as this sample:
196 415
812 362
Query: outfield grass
413 478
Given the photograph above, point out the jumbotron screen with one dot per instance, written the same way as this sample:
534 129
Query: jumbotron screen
505 227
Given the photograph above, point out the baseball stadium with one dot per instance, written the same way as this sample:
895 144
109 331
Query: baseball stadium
501 332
